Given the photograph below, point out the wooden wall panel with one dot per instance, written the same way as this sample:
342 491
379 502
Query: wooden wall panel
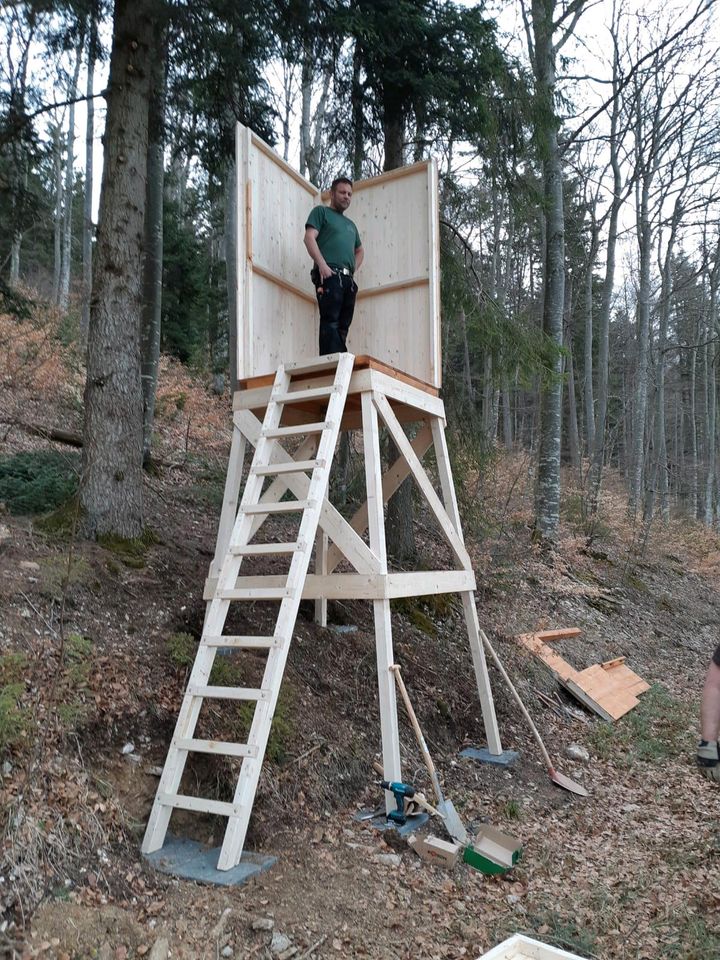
288 330
397 319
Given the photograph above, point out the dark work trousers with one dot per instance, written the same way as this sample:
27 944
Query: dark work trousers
336 299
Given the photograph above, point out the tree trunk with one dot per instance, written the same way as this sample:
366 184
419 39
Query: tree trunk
637 458
58 220
358 116
306 77
64 297
712 391
88 187
111 485
547 500
153 245
588 393
573 431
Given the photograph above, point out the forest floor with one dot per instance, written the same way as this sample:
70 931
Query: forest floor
95 647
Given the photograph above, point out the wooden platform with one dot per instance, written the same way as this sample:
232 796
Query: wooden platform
610 689
411 399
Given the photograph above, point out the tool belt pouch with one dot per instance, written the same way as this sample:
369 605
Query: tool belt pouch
315 276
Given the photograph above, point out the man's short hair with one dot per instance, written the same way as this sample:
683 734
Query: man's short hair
338 180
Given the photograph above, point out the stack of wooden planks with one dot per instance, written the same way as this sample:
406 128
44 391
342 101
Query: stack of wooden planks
610 689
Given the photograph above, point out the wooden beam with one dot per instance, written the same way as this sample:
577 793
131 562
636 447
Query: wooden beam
281 282
429 582
416 468
393 287
477 649
331 521
391 481
384 655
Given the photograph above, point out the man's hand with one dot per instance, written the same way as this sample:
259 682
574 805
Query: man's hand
325 271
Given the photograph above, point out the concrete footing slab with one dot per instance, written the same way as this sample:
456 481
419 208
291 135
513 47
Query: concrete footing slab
505 759
380 822
195 861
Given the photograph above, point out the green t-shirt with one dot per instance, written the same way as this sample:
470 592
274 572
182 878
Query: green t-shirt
338 237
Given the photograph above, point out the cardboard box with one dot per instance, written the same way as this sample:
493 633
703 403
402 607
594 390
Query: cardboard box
435 850
524 948
493 851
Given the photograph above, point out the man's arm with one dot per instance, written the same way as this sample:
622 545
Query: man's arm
359 257
313 249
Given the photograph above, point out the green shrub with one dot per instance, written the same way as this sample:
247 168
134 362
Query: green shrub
37 482
13 717
181 648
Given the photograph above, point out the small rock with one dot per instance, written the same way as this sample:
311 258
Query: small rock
4 533
155 771
263 923
128 748
227 951
575 752
391 859
29 565
7 768
160 949
512 899
279 943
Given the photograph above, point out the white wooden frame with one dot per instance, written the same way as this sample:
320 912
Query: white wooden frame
343 539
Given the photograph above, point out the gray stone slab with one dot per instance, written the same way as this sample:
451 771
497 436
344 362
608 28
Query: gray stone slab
505 759
380 822
196 861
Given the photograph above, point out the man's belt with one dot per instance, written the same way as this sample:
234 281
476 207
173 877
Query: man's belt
343 270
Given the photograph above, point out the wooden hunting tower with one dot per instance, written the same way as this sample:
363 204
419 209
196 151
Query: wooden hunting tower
290 407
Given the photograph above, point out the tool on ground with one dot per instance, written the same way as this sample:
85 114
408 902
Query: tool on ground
559 778
446 808
417 798
401 792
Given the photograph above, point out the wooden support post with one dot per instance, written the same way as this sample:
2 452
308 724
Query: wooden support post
321 568
468 597
231 497
381 608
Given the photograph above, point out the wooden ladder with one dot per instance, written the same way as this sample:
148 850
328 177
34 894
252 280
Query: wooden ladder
251 511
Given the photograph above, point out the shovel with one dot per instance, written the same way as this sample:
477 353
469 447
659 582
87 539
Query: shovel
446 808
559 778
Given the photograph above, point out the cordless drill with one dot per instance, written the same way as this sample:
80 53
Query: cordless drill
401 792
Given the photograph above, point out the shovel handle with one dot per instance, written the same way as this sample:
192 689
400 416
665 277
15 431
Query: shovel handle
418 733
518 700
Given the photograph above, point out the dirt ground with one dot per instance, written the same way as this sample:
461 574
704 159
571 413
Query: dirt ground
91 635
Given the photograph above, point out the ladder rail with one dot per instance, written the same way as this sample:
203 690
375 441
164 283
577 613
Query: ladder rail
251 512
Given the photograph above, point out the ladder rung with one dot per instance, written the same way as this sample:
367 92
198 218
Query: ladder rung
229 693
283 506
327 361
253 549
242 642
296 430
296 466
255 593
200 804
312 393
219 747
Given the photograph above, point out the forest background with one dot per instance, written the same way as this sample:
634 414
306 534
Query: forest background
578 153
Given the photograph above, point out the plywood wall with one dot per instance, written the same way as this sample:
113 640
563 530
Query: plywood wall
397 318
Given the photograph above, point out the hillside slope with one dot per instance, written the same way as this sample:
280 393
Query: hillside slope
95 644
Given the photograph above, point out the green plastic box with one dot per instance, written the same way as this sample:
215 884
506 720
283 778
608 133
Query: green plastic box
493 851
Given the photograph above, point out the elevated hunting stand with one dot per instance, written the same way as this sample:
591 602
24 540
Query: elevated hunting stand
293 421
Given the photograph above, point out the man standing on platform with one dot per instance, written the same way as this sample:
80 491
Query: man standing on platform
334 244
